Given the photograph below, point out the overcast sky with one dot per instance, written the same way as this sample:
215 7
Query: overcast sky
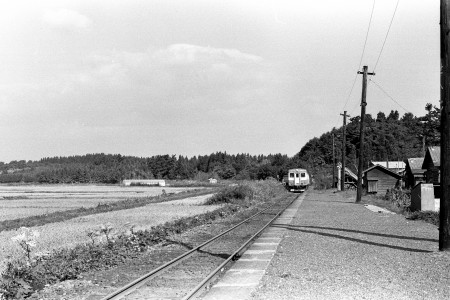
193 77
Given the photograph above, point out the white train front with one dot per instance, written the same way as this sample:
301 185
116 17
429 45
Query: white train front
297 180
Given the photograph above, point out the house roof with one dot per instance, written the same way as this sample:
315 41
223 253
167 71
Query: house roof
348 171
435 154
392 164
415 163
384 170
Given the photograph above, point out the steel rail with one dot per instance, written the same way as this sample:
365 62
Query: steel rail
127 289
236 254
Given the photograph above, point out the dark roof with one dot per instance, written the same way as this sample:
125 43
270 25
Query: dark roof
435 153
384 170
415 163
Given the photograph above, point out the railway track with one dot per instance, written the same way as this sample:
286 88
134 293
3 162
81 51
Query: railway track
191 272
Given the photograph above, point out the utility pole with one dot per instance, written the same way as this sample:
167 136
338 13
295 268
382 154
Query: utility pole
361 131
343 150
444 216
334 165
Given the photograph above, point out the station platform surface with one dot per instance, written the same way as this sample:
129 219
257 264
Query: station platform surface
327 247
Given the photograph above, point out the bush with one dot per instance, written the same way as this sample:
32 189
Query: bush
399 198
231 194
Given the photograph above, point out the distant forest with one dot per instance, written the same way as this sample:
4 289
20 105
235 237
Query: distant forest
388 137
108 168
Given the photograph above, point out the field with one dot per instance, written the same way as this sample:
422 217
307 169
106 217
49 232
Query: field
27 200
20 201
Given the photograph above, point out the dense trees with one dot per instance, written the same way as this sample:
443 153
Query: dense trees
108 168
388 137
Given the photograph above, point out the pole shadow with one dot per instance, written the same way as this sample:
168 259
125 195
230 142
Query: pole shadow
189 247
367 232
352 239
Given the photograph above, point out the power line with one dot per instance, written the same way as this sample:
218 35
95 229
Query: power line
362 55
381 89
367 35
385 38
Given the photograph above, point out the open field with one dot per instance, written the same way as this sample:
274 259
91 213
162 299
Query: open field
72 232
28 200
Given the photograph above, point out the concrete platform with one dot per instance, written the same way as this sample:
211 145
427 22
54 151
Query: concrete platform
244 276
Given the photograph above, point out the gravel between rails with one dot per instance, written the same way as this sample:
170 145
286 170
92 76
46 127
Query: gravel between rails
336 249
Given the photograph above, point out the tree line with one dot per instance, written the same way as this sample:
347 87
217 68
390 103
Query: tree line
113 168
392 137
388 137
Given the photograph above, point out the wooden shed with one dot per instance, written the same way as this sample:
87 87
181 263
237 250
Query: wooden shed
414 172
350 180
378 179
432 164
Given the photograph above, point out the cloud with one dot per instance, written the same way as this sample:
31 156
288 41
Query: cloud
67 19
188 54
178 70
149 87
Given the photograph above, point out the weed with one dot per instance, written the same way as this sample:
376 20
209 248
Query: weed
431 217
21 279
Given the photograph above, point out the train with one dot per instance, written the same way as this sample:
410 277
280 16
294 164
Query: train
297 180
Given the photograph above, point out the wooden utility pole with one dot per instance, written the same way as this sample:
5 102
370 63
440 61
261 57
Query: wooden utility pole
444 217
334 165
343 151
361 132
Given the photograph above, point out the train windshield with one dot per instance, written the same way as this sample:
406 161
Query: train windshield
291 175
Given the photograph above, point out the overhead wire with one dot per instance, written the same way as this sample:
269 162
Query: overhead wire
378 60
387 34
390 97
360 60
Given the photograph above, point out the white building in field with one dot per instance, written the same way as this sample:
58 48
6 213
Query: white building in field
212 180
151 182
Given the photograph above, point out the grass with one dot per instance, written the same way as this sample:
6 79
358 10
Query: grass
400 202
231 194
22 277
61 216
195 183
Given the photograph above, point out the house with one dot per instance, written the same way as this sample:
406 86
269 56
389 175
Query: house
141 182
378 179
414 172
395 166
432 165
212 180
350 180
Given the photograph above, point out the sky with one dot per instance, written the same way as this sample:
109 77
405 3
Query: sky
193 77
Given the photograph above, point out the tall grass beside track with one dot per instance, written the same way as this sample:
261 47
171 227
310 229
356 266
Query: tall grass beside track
22 277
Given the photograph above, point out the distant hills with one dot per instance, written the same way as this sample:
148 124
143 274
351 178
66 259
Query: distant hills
388 137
